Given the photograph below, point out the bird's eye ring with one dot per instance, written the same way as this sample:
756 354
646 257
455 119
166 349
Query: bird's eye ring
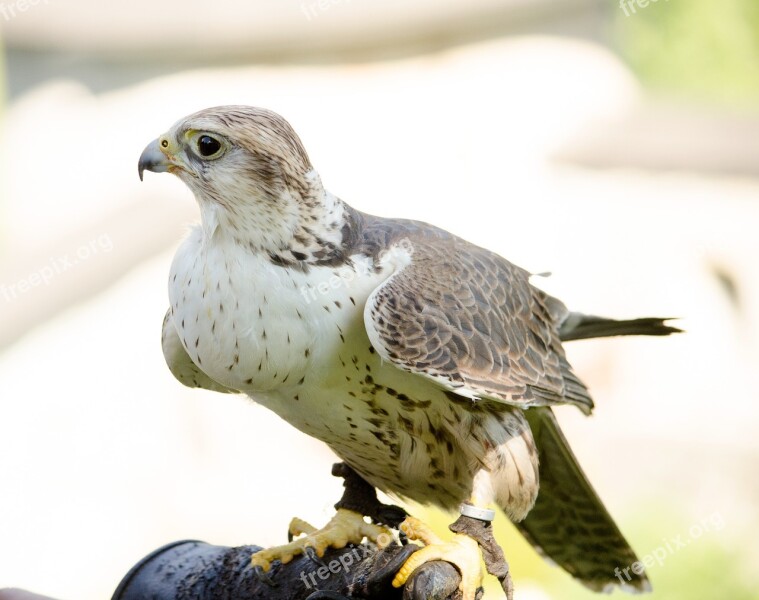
208 146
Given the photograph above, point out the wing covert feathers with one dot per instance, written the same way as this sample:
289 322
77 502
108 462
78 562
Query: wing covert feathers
470 320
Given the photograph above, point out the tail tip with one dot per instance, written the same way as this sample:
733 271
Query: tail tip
667 329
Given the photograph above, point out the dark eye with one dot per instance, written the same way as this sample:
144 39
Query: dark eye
208 146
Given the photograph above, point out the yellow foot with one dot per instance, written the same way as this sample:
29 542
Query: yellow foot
462 551
346 527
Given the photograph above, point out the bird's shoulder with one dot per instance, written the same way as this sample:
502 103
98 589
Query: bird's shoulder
467 317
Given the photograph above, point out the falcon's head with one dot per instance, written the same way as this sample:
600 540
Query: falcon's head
250 174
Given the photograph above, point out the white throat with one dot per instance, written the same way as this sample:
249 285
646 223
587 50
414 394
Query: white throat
272 226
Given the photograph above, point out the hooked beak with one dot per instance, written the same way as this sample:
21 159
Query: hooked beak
153 159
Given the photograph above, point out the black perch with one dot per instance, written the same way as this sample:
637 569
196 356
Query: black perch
193 570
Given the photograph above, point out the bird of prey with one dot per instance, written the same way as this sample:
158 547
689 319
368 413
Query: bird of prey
429 365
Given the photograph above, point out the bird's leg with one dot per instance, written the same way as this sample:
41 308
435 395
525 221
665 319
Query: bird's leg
495 561
472 532
346 527
361 497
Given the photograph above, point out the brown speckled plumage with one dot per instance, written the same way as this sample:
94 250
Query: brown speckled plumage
464 315
427 363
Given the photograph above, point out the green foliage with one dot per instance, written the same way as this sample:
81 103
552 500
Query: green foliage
701 48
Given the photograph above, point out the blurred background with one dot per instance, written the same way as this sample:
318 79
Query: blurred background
613 144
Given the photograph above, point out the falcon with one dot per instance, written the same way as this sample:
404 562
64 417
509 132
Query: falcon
429 365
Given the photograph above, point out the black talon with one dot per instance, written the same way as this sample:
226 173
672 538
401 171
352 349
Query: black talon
263 577
312 556
385 566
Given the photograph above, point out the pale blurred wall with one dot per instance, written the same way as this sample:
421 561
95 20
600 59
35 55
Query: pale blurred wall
103 456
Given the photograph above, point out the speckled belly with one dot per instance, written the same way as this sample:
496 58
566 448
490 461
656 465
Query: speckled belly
395 429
